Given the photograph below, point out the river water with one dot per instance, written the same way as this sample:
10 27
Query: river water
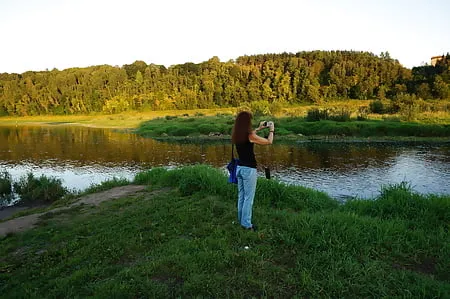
82 156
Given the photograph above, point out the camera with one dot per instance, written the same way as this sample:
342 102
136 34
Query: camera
267 123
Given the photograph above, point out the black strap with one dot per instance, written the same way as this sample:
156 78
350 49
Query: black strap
232 151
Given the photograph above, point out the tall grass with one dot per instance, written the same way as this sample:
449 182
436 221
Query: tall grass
398 201
106 185
211 181
5 188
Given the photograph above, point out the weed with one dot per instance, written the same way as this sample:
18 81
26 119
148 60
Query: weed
41 189
5 188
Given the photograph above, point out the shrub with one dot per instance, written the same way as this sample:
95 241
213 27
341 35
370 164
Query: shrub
42 189
275 108
184 131
317 114
260 108
377 107
362 113
5 187
409 106
342 115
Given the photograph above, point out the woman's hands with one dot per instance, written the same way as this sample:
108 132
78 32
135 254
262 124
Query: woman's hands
261 126
261 140
268 124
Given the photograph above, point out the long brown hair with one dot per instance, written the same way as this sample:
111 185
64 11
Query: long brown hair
242 127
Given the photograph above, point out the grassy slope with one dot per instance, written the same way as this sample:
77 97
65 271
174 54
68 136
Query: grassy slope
182 242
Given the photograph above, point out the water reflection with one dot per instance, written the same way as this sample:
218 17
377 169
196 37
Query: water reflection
82 156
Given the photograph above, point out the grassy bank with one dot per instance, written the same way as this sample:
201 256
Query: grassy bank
288 127
435 113
179 240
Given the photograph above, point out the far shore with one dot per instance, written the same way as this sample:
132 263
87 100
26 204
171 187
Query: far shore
125 120
131 121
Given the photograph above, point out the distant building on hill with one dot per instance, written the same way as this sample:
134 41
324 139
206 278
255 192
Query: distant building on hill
435 59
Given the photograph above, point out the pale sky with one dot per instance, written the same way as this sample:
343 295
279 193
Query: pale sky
46 34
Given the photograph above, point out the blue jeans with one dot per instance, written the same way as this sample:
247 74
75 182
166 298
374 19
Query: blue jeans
246 193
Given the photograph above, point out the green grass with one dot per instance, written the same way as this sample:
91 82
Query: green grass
288 127
179 240
105 185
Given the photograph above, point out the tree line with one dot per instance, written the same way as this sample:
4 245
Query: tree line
267 79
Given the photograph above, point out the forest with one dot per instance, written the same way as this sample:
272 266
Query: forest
277 80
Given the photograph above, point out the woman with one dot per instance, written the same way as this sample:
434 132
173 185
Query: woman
244 138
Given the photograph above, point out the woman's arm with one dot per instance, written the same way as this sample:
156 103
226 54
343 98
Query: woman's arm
253 137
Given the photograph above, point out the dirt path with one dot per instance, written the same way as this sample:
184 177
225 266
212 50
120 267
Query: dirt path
26 222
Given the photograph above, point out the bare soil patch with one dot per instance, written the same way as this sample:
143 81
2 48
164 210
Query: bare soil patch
29 221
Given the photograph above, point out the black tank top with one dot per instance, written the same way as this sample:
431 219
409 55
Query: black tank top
246 154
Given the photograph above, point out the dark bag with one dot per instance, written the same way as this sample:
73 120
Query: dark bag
232 167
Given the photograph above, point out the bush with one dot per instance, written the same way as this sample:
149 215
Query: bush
183 131
275 108
377 107
5 187
362 113
260 108
317 114
342 115
409 106
42 189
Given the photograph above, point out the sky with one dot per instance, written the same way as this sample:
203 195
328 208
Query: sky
45 34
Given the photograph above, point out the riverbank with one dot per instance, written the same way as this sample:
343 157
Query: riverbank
125 120
179 239
214 125
295 129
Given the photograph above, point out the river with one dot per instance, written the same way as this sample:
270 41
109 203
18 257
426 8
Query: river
82 156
